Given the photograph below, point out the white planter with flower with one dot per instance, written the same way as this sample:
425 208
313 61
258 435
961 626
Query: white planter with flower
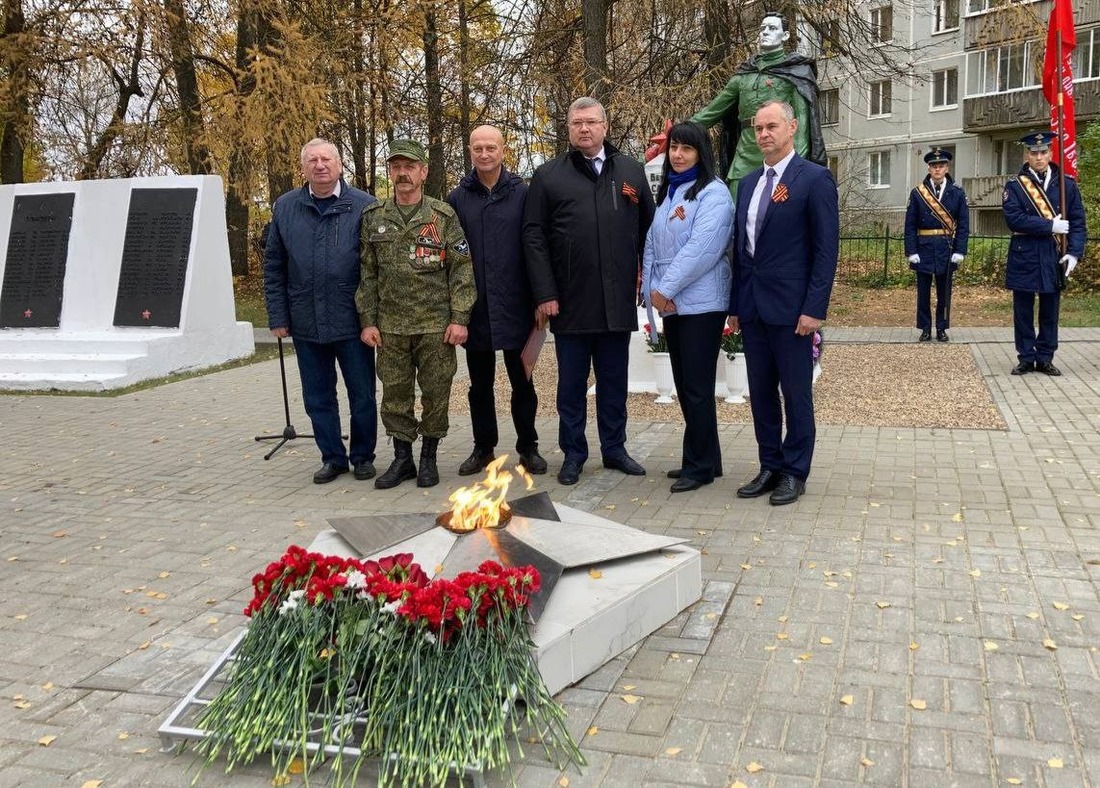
662 364
737 375
818 349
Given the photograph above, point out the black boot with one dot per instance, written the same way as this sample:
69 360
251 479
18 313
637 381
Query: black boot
400 469
429 473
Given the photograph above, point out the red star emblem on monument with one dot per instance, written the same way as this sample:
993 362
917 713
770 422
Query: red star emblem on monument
27 312
146 314
768 82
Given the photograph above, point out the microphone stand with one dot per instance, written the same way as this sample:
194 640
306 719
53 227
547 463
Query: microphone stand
288 433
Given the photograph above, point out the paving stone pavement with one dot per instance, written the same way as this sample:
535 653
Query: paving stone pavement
926 615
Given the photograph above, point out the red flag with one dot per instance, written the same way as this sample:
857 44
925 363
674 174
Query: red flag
1058 83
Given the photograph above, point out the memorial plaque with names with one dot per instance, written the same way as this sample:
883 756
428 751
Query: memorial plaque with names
154 257
34 271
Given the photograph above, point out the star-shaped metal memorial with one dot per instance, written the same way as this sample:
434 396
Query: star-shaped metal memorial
536 535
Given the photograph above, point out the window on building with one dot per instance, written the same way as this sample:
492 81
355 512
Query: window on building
828 107
878 167
1086 57
945 88
945 15
830 37
1003 68
1007 156
880 98
882 24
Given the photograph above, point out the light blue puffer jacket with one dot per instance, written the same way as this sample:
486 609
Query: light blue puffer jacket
685 250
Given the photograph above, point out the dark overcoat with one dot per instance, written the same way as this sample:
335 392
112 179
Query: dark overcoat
504 313
583 237
1033 255
935 250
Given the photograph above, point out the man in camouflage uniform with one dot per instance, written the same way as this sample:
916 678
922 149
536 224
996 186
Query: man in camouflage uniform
415 294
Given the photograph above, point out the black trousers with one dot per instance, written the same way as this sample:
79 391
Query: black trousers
606 354
924 301
1030 347
693 342
482 365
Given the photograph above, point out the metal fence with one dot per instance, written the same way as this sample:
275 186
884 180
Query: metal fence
879 260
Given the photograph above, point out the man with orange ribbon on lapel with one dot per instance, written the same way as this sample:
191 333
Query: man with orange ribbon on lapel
937 226
1048 238
786 242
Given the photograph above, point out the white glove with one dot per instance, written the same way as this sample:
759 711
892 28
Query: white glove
914 259
1060 226
1070 262
956 258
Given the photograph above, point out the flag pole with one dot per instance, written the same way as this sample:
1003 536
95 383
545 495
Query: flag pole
1061 239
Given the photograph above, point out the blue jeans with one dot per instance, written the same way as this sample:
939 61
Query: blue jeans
317 365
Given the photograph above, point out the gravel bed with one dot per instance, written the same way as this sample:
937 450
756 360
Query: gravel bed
889 385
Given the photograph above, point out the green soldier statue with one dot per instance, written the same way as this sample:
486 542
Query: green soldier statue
769 75
416 291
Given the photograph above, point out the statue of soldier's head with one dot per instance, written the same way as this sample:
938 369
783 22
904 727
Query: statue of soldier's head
773 32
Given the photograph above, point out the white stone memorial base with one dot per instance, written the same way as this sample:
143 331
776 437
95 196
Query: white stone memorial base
591 616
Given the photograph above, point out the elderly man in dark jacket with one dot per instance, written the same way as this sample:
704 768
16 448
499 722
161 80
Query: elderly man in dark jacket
489 203
311 271
585 223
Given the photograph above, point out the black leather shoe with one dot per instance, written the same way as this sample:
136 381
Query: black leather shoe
477 462
925 336
1023 368
1047 368
941 336
532 461
765 481
684 484
328 472
625 463
675 473
364 470
570 472
787 491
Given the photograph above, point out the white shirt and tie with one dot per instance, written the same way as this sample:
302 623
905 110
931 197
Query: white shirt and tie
772 174
596 162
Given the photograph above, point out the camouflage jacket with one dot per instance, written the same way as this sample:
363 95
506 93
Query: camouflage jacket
415 276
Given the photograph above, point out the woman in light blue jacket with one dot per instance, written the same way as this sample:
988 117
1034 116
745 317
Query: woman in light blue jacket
686 277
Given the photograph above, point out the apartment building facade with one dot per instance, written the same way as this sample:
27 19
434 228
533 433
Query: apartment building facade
973 86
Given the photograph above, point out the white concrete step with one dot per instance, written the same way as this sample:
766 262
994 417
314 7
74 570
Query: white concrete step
67 363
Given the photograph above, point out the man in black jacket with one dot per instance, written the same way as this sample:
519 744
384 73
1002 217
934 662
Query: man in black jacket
489 203
584 230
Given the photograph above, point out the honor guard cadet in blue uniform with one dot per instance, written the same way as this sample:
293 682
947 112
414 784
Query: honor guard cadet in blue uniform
937 226
1047 241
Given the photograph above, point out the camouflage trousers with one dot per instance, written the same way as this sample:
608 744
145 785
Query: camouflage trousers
404 361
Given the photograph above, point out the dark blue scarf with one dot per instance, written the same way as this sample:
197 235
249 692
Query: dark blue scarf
676 179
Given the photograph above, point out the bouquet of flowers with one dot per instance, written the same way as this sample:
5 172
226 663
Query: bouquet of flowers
660 346
731 343
818 346
426 675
